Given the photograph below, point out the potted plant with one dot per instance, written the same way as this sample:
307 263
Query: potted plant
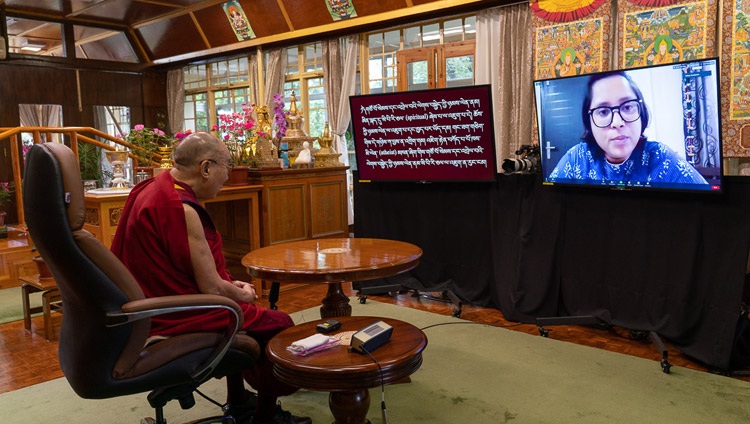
250 142
147 142
6 196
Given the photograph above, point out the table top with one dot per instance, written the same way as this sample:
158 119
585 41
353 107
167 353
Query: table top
40 283
332 260
338 369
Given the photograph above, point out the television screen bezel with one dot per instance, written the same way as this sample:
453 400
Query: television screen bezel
681 188
487 177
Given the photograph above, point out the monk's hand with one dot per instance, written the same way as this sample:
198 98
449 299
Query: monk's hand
246 287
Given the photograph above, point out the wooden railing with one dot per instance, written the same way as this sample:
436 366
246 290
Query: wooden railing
71 137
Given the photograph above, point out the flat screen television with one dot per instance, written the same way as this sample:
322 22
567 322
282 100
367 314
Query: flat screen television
425 136
654 127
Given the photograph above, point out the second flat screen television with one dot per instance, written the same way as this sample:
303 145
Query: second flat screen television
655 127
425 136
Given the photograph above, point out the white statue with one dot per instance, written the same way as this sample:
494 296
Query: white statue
304 154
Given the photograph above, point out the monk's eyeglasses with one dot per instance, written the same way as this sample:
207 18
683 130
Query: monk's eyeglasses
229 165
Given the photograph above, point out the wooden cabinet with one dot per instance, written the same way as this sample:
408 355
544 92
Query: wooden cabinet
300 204
276 207
15 262
102 214
235 210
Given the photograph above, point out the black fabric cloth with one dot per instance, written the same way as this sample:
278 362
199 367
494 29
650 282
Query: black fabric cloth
668 262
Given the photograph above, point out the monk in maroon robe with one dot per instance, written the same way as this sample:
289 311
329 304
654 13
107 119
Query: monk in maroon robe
169 243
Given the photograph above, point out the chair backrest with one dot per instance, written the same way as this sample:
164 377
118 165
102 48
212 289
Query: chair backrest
96 359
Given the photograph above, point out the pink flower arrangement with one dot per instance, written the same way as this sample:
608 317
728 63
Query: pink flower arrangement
149 140
6 193
240 132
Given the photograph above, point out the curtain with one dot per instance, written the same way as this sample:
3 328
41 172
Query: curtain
254 94
41 116
332 79
275 70
504 60
176 100
340 76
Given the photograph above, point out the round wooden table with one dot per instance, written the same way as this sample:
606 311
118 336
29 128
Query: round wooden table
332 261
348 375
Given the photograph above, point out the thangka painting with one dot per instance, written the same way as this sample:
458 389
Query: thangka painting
570 41
665 34
735 87
340 9
238 20
568 49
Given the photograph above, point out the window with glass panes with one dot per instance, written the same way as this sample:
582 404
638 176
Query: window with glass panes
196 112
304 77
382 48
222 85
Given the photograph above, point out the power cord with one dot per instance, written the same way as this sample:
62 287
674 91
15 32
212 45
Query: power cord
382 385
469 323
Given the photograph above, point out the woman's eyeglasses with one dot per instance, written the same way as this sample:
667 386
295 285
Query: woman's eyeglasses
629 111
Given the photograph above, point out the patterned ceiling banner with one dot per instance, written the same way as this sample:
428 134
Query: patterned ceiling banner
341 9
653 36
571 48
735 70
564 10
654 3
238 21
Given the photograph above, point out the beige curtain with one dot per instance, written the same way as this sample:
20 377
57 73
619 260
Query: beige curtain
504 60
41 116
275 70
340 75
332 78
254 78
176 100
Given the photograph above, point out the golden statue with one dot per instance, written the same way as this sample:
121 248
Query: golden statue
265 152
325 157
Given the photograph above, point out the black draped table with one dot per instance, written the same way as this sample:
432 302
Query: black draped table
672 263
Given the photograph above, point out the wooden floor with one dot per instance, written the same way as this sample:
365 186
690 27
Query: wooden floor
27 358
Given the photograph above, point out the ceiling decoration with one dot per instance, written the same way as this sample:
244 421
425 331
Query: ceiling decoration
156 32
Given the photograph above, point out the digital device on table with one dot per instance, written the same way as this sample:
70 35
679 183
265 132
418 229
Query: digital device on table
683 101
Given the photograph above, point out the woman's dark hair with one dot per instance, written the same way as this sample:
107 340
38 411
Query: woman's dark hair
587 135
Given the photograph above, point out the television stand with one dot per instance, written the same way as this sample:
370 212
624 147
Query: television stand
590 320
446 295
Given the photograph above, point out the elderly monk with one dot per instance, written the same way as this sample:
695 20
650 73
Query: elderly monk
170 244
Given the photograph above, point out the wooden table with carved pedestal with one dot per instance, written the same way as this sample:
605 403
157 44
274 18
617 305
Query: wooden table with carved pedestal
348 375
331 261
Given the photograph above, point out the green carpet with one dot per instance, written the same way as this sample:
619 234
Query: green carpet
471 374
10 304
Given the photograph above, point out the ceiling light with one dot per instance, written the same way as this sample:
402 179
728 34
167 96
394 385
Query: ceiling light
33 46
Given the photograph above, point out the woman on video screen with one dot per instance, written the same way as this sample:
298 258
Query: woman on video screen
614 147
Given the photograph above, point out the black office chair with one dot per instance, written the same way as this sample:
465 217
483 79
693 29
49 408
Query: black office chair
106 318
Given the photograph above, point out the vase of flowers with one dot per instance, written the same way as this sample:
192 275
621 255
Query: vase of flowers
147 141
247 138
6 196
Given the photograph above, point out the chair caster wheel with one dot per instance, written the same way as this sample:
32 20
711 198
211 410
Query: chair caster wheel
665 366
543 332
363 299
456 314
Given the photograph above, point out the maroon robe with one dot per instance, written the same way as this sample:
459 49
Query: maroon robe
152 241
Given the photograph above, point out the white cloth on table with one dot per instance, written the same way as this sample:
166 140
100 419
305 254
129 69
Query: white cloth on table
314 343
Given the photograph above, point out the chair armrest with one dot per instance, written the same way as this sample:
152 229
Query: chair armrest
146 308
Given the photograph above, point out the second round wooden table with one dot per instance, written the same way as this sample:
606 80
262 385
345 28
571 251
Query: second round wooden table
331 261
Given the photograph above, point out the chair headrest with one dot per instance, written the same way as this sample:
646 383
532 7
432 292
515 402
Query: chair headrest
72 183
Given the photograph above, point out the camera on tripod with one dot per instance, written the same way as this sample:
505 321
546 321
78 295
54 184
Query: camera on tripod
527 162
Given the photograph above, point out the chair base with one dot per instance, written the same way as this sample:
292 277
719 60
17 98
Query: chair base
208 420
